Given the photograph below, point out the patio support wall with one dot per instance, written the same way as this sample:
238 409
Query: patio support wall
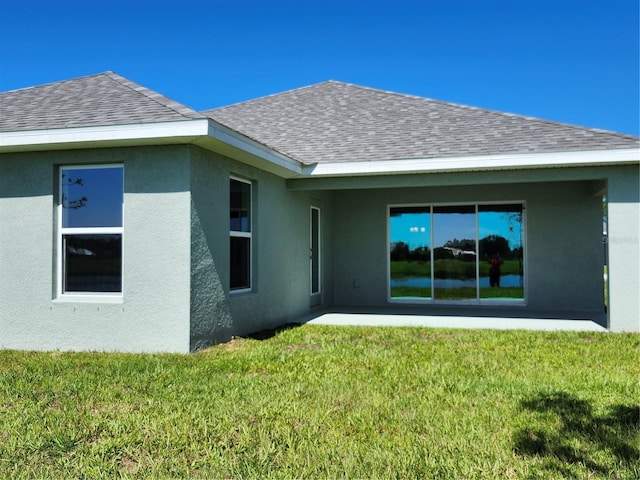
564 259
623 198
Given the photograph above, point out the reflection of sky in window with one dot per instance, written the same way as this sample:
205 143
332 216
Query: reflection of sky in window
411 228
414 228
503 224
449 226
103 190
239 203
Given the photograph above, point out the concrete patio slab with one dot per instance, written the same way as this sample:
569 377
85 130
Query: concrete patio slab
452 321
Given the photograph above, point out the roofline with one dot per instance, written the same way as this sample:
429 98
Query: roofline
214 136
241 142
203 132
475 163
103 135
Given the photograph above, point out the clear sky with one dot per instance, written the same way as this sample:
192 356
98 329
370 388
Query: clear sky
573 61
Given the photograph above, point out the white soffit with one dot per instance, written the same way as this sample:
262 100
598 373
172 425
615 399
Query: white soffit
484 162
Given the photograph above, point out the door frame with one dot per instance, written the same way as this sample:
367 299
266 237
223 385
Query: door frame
315 255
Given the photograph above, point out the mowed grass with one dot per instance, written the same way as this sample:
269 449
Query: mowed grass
328 402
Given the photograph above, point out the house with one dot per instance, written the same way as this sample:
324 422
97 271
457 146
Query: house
130 222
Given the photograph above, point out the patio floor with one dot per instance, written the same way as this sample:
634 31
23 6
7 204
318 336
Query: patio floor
460 318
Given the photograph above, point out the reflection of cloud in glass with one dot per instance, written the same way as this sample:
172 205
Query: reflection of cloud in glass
414 228
410 228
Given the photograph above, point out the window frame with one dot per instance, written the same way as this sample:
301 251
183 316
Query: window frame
62 231
478 300
242 234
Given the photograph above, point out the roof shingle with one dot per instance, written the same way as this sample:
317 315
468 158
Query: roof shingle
336 122
102 99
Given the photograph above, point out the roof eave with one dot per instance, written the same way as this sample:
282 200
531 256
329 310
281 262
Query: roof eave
203 132
474 163
240 147
182 131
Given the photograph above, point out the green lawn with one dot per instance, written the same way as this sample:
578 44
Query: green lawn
329 402
450 268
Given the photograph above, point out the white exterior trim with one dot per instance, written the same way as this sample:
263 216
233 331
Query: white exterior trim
107 133
484 162
203 131
209 133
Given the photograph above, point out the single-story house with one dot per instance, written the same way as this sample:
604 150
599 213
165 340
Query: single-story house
131 222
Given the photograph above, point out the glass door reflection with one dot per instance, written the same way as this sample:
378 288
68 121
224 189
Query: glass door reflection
409 252
454 253
500 230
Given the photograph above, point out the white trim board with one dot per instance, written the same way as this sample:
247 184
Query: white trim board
474 163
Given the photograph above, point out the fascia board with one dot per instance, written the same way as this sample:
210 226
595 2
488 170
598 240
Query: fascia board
204 132
475 163
58 138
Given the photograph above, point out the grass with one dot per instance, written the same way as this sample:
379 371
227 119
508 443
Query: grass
327 402
450 268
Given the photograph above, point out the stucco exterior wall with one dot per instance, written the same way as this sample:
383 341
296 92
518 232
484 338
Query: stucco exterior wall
623 199
280 246
153 313
563 249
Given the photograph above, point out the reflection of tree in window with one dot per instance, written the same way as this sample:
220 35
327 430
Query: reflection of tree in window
75 203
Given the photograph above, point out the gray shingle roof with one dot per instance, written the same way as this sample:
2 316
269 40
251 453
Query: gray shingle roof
102 99
334 122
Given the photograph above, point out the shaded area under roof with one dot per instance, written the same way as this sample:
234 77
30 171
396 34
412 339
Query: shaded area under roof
102 99
338 122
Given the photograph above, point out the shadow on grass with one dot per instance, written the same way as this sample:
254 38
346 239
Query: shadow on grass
600 444
272 332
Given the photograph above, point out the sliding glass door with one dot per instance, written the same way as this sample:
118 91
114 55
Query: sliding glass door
454 255
410 252
500 230
469 253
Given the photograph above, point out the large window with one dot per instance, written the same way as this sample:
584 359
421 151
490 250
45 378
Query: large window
456 252
240 235
90 230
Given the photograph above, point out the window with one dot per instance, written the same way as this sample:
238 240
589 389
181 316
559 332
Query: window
456 253
90 230
240 235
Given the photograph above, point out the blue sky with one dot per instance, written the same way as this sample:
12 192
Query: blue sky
573 61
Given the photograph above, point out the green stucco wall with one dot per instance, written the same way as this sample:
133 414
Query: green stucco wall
564 254
623 201
153 313
281 285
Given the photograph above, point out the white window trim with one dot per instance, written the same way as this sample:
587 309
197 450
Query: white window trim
249 235
61 231
477 301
